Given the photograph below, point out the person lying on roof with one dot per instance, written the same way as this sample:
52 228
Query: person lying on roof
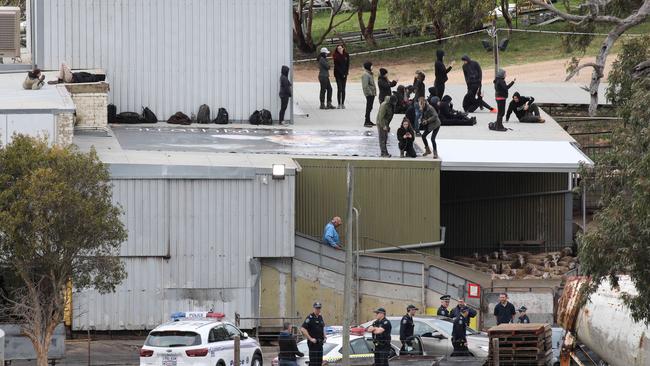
34 80
524 108
67 76
451 117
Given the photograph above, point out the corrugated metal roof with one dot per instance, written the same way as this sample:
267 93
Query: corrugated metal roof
173 55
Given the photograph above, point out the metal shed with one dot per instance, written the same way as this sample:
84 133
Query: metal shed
172 55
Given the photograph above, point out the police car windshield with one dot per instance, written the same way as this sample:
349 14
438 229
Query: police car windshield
173 339
327 348
447 326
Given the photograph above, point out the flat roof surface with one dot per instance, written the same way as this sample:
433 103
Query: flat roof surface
15 99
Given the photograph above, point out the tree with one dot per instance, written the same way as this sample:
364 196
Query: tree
57 224
445 16
303 19
620 14
505 11
617 241
367 31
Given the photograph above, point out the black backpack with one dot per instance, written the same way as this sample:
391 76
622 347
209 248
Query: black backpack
266 118
129 118
255 118
204 114
222 117
149 116
112 113
179 118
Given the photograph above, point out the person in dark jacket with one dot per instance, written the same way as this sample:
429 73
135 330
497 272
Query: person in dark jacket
285 92
459 334
501 95
407 328
67 76
341 69
403 99
434 101
523 318
418 87
431 124
471 313
288 347
384 85
324 79
432 94
451 117
524 108
406 137
441 73
473 78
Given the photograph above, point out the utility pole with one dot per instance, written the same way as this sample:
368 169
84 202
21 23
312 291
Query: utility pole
495 39
347 287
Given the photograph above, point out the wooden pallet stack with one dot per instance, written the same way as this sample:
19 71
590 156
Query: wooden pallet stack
520 344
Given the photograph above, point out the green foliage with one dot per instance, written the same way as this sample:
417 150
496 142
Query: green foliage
619 91
57 223
618 241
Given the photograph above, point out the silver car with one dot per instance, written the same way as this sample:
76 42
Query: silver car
435 332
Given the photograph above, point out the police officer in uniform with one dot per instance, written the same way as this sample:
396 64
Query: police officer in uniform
459 333
461 304
523 318
443 310
406 328
313 329
380 330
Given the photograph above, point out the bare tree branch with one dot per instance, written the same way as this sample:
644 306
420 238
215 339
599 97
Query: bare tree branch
577 18
575 71
331 24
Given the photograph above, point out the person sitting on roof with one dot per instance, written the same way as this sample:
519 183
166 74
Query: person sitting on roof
524 108
67 76
330 235
34 80
450 117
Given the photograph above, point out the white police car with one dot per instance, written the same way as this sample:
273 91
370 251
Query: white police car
198 339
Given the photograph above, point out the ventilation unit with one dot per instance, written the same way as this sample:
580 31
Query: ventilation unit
9 32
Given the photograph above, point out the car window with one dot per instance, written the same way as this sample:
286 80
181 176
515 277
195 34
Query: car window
447 326
218 334
232 331
395 326
422 328
359 346
173 339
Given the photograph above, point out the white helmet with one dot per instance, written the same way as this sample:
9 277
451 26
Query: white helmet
324 50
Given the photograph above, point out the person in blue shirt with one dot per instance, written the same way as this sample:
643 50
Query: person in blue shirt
330 235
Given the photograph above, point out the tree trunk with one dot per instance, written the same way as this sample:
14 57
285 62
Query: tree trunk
438 28
506 15
368 31
304 43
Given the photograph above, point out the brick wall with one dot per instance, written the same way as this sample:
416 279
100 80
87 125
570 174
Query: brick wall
64 128
91 101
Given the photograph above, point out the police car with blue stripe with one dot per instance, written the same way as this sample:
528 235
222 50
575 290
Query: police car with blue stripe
198 339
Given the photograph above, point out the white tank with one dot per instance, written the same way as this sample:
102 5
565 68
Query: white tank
605 325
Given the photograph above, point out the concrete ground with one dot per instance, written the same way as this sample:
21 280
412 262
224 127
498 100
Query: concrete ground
115 353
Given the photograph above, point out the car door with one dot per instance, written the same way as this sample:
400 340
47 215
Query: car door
433 342
221 345
246 345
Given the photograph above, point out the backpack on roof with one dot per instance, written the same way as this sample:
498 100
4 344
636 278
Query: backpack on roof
222 117
266 118
255 118
112 113
129 118
149 116
204 114
179 118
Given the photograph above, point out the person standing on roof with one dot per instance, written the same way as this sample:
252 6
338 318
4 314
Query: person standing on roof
369 91
384 85
380 330
330 235
441 72
285 92
313 329
474 80
419 89
384 117
324 79
431 125
443 310
406 327
501 95
288 347
341 69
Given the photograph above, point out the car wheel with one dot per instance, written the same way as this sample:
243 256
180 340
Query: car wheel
221 363
257 360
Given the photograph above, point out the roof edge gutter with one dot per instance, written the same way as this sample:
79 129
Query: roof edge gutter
409 246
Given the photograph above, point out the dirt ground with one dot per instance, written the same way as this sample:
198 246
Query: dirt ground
546 71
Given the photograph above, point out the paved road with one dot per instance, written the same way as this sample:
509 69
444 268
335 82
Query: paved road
115 353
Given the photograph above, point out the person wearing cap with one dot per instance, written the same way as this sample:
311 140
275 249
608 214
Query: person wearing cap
369 91
523 318
459 333
384 85
324 79
471 313
443 310
288 347
313 329
407 327
380 330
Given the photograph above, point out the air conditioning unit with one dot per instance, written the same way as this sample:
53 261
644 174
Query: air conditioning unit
9 31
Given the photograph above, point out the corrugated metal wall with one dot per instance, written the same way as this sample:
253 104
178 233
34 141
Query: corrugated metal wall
173 55
480 209
398 201
192 246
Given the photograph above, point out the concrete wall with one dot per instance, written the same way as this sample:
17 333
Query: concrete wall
91 102
539 302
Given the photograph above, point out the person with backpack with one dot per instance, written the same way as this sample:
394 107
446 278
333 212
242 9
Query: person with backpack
441 72
501 95
324 79
369 91
474 79
341 68
384 117
525 109
385 85
406 137
431 124
285 92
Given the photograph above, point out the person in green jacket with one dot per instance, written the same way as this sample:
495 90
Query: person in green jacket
384 116
369 90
